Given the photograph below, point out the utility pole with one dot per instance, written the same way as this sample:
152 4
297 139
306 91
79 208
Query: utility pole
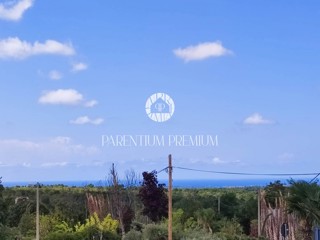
259 213
219 203
170 200
37 215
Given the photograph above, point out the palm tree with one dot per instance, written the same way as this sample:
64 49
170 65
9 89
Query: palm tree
205 218
304 202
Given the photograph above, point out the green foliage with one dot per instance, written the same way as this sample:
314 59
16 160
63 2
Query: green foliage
64 236
155 232
7 233
106 225
232 227
133 235
153 197
93 228
67 205
3 206
237 202
191 224
246 213
304 202
229 205
198 234
48 224
62 227
15 213
27 224
188 201
224 236
80 236
273 191
195 212
177 217
205 218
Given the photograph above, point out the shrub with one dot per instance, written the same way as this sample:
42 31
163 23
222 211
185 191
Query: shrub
64 236
155 232
133 235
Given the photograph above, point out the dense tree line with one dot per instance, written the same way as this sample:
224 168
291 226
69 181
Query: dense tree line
135 212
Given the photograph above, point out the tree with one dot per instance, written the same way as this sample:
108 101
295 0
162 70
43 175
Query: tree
15 212
8 233
274 191
153 197
3 208
27 224
47 224
205 218
304 202
247 212
119 201
229 205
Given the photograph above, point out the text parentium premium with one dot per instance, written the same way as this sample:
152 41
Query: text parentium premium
159 140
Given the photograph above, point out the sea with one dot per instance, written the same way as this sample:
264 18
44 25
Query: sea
179 183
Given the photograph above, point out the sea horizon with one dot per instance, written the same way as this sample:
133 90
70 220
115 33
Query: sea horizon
178 183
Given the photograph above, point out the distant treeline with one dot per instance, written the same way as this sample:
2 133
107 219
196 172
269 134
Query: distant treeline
127 211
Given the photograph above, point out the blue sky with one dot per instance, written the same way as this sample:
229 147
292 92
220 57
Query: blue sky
70 72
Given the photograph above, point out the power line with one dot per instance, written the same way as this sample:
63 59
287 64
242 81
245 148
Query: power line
165 169
243 173
247 174
314 178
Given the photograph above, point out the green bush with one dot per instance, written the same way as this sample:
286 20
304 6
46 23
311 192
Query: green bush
8 233
64 236
197 235
133 235
80 236
155 232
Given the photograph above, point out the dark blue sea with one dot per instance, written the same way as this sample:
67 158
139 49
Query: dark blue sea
191 183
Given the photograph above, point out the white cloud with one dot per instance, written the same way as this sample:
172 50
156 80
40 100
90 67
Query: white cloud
257 119
57 151
61 96
91 103
85 120
212 160
55 75
54 164
202 51
77 67
18 49
14 143
27 165
61 140
286 157
14 10
217 161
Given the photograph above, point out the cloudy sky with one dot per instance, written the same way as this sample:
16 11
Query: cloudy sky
246 71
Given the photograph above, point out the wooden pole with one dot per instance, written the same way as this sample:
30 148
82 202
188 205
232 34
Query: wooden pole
219 203
170 200
259 213
37 215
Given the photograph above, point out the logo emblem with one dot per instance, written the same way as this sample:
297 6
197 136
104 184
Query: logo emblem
159 107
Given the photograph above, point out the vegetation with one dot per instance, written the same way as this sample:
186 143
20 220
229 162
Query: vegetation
131 212
153 197
304 202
